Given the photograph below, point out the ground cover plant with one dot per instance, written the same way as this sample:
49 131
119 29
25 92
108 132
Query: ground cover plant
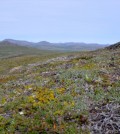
72 93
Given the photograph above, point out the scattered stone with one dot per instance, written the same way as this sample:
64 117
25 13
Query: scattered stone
16 69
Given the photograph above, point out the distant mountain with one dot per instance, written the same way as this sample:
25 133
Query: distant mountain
67 46
19 42
8 49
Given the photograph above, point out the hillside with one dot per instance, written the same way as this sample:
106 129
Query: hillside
62 47
70 93
114 46
8 49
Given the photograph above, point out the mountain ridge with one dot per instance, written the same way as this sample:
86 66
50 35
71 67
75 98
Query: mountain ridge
66 46
8 49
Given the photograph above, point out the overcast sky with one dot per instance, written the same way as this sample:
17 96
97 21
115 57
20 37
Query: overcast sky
60 20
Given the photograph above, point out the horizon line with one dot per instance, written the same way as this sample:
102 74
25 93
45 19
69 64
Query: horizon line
56 42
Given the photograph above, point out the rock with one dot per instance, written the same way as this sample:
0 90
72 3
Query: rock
16 69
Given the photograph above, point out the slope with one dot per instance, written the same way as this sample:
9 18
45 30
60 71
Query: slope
76 93
8 49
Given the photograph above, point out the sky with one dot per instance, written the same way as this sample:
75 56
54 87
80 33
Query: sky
90 21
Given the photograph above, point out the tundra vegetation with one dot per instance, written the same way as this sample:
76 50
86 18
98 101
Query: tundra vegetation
68 93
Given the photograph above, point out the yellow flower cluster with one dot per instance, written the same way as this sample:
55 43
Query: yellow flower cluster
41 97
88 66
61 90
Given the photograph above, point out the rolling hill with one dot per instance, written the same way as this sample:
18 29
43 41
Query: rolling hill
62 47
9 49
